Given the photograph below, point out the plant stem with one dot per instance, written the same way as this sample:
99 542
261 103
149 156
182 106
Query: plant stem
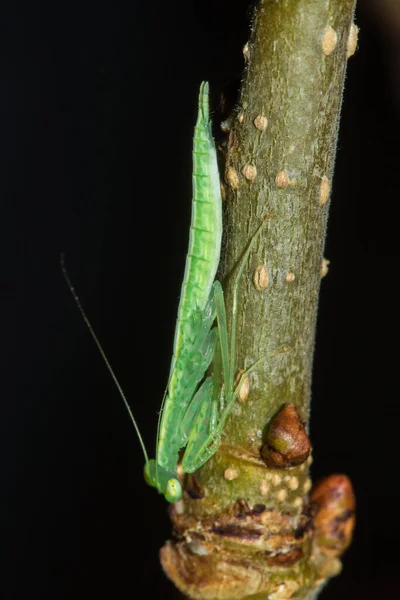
247 530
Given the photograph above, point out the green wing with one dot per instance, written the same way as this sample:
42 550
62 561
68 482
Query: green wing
193 345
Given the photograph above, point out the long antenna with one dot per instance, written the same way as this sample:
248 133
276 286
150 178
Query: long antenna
103 354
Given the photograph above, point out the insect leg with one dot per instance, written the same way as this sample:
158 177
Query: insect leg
235 303
222 332
255 364
208 431
211 443
202 361
208 449
217 402
202 418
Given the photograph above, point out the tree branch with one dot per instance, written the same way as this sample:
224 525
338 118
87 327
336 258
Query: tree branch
247 526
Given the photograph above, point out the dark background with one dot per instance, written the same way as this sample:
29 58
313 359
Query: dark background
98 102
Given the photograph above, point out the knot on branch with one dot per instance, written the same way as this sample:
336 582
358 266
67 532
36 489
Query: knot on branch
248 550
209 558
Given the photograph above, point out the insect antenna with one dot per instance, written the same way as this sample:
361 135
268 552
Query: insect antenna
102 353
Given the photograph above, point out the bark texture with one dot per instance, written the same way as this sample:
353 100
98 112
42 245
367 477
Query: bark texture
248 526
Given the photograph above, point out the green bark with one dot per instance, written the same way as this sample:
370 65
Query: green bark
279 162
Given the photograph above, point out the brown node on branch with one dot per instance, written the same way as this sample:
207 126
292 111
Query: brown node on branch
209 557
287 443
332 502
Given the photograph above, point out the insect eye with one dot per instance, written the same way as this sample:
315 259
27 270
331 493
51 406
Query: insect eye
173 491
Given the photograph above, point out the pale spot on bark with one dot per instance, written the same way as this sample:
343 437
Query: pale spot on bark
261 122
264 488
223 192
290 277
240 117
238 376
352 40
231 474
324 267
260 278
324 190
232 178
282 180
298 502
281 495
307 485
244 390
246 51
329 41
293 483
250 172
226 125
276 479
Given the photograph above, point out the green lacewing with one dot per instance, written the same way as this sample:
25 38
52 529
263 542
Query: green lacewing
201 390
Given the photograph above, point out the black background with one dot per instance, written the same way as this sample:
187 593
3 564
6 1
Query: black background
98 103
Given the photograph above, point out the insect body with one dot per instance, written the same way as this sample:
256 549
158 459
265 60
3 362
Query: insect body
195 406
195 339
193 416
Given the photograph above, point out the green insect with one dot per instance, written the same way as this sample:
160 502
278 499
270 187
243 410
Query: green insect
196 404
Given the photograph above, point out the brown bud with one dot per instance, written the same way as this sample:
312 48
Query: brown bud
333 503
287 443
